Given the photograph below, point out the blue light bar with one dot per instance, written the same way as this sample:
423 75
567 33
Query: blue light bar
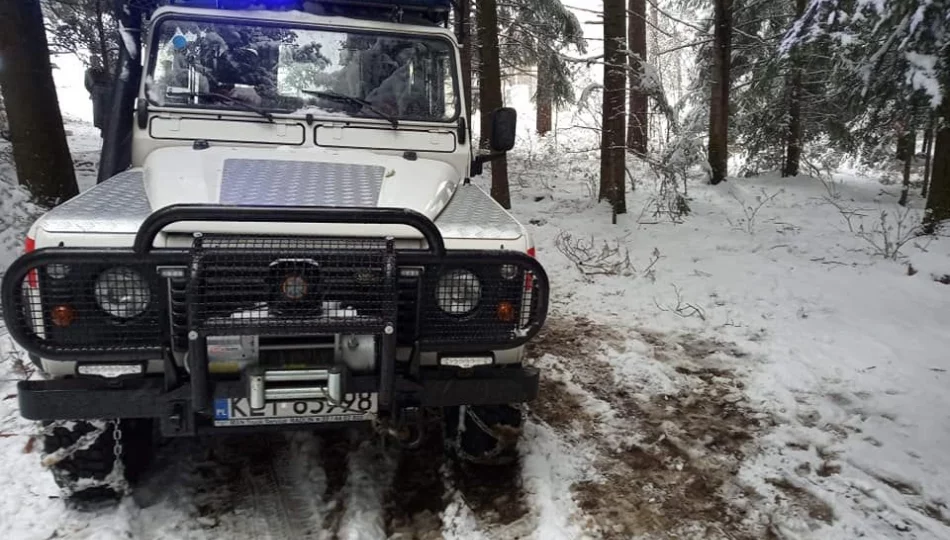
238 4
433 5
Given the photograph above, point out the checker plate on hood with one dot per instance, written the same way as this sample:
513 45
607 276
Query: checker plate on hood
272 182
118 205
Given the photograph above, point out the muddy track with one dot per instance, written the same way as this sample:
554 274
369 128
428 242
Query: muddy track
326 486
426 482
261 486
668 462
416 497
281 489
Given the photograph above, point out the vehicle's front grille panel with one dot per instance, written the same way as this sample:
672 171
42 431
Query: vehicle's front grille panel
408 301
482 303
289 286
91 307
178 313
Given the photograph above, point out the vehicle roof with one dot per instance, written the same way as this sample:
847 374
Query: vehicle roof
300 17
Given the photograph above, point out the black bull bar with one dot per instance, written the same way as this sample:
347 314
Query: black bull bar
34 288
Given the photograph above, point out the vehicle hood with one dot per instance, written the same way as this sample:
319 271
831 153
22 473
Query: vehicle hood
288 176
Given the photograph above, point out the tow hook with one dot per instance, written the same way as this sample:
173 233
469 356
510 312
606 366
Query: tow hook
406 428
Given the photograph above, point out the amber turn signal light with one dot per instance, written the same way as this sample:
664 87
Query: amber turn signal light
506 312
62 316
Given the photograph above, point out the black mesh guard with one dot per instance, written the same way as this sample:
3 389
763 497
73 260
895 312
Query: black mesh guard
482 303
291 286
459 301
88 308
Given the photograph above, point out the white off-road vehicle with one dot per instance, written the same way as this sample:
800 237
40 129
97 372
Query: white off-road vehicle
283 236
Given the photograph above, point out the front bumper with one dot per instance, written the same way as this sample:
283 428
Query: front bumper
233 286
146 397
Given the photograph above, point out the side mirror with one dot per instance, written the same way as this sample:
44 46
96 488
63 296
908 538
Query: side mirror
504 127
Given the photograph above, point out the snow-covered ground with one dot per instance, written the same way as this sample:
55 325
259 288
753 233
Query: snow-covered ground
759 370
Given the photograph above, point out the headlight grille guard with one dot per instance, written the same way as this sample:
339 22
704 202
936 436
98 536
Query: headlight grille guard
512 309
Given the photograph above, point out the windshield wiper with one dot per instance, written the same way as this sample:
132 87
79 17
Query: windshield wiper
353 100
233 101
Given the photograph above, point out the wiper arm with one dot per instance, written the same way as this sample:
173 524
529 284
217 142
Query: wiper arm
353 100
233 101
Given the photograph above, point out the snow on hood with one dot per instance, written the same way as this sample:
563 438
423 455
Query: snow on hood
288 176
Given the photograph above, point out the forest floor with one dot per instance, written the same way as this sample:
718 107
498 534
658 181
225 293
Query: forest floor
760 370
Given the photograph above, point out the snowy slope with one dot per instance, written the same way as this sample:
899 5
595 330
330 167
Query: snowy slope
739 378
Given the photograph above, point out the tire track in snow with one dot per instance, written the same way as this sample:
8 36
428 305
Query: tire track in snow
282 490
433 496
263 486
370 473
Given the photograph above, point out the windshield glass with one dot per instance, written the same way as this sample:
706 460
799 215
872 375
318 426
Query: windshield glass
288 69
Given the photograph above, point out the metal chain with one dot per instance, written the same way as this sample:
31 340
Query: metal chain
82 443
464 412
117 437
116 479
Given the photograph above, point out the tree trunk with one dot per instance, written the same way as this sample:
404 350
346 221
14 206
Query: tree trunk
542 98
490 97
638 120
719 95
928 152
612 166
463 29
103 42
793 143
906 145
40 151
908 159
938 200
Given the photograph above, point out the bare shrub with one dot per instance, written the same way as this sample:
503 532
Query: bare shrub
889 234
751 210
16 359
603 259
681 308
609 259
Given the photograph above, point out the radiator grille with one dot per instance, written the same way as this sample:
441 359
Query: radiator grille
291 285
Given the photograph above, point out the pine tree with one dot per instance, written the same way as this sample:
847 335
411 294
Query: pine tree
533 33
637 122
40 151
938 200
909 143
793 142
463 31
613 141
898 53
490 97
85 28
928 155
543 98
719 95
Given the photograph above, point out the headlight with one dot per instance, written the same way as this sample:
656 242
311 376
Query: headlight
458 292
509 271
57 271
122 292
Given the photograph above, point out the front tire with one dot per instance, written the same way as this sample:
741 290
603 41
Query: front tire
81 457
483 434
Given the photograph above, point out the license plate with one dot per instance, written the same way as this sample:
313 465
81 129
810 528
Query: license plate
238 411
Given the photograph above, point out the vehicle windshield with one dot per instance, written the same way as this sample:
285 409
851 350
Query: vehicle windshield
302 70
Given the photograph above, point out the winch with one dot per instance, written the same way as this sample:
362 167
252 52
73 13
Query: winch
235 354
